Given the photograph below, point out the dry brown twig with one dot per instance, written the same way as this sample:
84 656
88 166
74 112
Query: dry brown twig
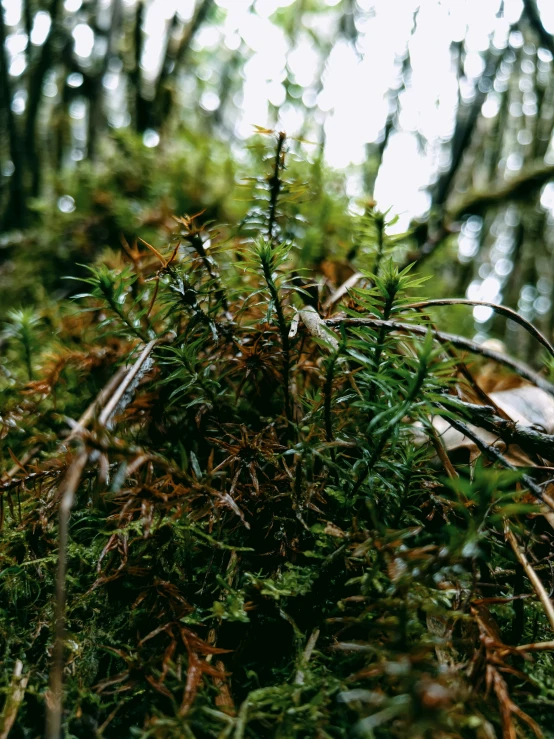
306 656
113 394
14 698
342 290
441 453
541 646
97 403
538 587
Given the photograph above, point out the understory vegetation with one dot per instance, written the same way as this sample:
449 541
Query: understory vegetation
227 506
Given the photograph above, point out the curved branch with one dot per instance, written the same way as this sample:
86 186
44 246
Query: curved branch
459 342
501 309
518 188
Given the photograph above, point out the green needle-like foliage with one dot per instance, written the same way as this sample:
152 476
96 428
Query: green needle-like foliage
259 545
21 327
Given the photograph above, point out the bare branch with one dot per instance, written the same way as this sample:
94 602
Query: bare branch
14 697
521 187
458 341
501 309
341 291
54 700
491 453
538 587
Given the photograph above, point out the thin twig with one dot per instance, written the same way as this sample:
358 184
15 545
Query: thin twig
12 483
541 646
458 341
12 472
54 700
495 456
531 441
500 309
97 403
14 698
306 656
342 290
111 407
442 455
538 587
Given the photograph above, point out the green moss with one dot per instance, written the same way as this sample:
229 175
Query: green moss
257 546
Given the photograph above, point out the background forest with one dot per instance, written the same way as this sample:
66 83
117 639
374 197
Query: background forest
276 368
442 111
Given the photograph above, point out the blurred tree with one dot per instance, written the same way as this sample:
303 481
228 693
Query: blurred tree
73 73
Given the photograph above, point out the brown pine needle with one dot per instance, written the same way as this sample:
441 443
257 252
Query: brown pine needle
154 251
